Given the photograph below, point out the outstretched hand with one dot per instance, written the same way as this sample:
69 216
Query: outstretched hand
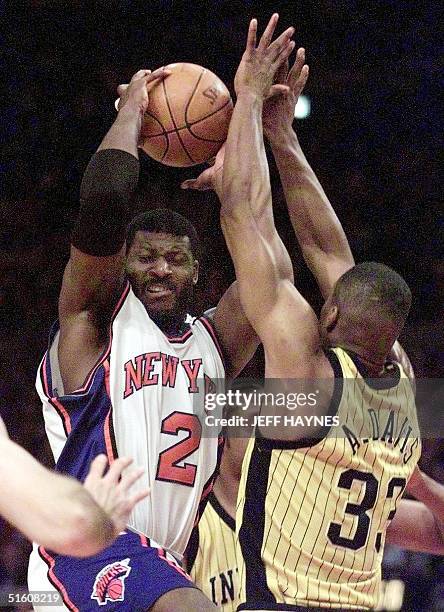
278 110
259 63
255 74
136 92
111 491
210 178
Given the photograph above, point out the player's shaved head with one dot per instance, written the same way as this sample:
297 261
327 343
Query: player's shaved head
374 288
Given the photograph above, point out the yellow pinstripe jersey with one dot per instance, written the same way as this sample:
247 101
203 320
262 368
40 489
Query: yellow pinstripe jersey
211 556
313 515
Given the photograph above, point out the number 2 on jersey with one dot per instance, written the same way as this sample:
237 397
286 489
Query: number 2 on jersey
167 467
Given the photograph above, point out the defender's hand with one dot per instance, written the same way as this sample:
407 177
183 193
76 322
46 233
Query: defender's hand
259 64
211 178
111 491
278 111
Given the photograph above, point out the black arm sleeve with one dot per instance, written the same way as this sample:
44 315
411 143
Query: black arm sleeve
107 186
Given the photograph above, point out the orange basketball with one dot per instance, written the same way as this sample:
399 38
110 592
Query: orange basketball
115 589
187 118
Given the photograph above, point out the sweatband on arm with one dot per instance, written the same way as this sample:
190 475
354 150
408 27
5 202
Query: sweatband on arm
107 187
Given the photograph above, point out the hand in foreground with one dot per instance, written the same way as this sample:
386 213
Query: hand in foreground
210 178
278 111
111 491
136 92
259 64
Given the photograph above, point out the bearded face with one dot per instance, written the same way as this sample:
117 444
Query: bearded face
162 272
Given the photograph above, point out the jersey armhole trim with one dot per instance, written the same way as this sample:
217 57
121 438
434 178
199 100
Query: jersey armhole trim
221 512
45 371
207 322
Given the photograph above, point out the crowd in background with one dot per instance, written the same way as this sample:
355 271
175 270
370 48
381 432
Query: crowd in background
370 138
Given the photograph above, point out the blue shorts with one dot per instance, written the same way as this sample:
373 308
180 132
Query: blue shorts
129 576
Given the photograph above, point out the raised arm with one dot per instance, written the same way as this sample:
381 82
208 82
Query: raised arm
318 230
246 182
229 317
57 511
281 317
419 525
94 273
321 237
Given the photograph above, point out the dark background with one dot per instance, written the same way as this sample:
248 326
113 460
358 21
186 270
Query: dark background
372 138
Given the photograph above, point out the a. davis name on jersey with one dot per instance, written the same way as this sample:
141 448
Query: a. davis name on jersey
386 428
140 372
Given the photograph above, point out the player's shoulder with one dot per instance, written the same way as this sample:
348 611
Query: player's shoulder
206 321
209 313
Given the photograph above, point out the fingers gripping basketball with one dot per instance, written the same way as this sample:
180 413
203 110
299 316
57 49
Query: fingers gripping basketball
187 118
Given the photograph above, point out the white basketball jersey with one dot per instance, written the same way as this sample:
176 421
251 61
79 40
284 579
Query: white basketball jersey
140 401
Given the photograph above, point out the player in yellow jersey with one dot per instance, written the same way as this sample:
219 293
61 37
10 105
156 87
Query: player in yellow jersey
211 553
212 559
211 556
327 253
314 502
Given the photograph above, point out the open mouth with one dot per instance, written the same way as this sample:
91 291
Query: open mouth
159 290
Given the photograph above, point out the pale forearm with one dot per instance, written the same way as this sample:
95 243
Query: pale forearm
318 230
91 529
64 516
68 520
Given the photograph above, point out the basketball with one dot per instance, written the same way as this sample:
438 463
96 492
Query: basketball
187 118
115 589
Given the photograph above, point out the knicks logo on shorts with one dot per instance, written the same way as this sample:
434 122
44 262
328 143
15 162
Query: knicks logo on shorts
109 584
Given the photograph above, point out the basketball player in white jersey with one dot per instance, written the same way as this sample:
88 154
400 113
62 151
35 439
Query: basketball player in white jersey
122 369
69 518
